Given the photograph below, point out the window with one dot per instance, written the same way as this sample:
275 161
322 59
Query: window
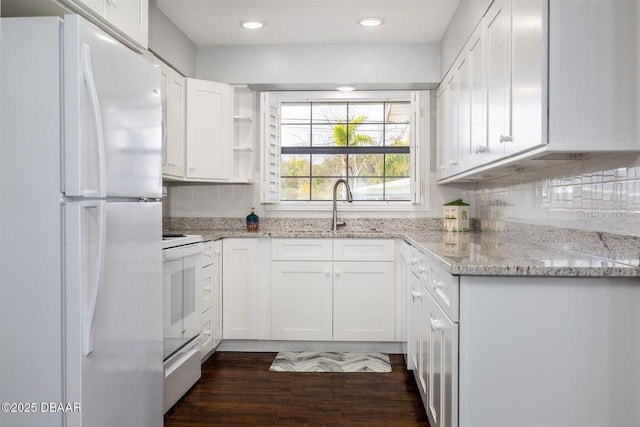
368 143
372 139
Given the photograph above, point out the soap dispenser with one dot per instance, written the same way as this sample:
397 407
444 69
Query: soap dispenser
253 221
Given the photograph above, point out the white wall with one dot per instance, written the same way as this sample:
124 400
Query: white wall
321 63
459 30
170 44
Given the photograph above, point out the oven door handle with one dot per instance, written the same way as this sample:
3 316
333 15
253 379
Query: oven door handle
181 251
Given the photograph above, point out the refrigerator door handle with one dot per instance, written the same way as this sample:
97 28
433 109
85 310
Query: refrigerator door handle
88 315
97 114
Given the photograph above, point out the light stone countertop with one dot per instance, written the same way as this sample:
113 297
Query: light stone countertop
471 254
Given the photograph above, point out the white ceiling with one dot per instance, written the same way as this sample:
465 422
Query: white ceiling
216 22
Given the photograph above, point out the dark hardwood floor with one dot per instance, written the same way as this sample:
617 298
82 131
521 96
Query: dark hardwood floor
238 389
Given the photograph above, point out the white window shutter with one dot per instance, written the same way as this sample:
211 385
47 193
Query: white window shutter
419 109
269 149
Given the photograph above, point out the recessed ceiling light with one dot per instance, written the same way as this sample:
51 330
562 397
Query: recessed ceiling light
370 22
346 88
252 24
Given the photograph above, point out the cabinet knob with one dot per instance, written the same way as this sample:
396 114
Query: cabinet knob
327 273
480 149
437 325
438 284
338 273
422 269
505 138
113 3
416 295
453 162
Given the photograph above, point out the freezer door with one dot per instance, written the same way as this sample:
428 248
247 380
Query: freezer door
113 316
113 116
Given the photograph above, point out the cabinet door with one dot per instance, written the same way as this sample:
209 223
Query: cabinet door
209 130
442 141
302 299
528 69
206 333
206 290
240 289
478 97
131 17
417 323
464 111
498 45
364 301
217 293
175 123
440 361
453 123
165 72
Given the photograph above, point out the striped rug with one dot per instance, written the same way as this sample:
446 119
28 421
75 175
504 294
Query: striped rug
312 361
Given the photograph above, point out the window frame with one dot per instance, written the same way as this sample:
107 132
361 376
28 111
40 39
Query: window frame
419 150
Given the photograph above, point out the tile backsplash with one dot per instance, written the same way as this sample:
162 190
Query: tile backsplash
595 193
598 193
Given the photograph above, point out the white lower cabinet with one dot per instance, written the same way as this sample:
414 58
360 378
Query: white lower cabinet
211 298
240 289
440 341
302 300
493 350
323 290
363 301
433 341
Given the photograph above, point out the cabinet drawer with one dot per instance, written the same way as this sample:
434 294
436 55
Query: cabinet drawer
444 288
207 289
301 250
208 253
206 332
363 250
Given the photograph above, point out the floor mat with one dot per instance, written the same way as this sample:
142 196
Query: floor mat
313 361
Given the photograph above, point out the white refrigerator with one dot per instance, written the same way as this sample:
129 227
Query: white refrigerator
80 228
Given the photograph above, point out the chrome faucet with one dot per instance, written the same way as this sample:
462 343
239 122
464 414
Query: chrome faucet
335 224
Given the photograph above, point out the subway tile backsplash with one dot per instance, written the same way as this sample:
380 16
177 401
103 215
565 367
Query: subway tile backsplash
595 193
599 193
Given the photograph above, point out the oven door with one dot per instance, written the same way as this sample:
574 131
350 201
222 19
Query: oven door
182 268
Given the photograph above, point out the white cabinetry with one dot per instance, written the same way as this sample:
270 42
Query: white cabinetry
496 335
518 90
126 20
209 144
211 297
302 300
364 303
240 289
131 17
243 134
433 340
333 289
173 121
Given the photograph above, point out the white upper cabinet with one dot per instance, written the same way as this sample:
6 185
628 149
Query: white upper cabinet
175 127
243 134
172 87
498 54
131 17
209 131
525 86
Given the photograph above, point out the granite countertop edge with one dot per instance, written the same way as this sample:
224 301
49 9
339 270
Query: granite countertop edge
518 268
